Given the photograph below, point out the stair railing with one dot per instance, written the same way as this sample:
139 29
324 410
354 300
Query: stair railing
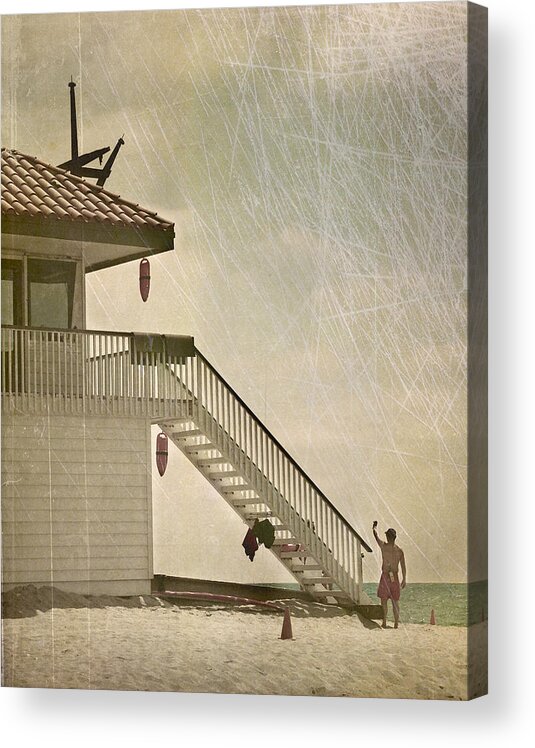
268 468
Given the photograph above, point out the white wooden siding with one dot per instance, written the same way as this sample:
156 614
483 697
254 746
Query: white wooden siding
76 502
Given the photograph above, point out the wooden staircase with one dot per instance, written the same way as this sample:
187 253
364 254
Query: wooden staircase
257 477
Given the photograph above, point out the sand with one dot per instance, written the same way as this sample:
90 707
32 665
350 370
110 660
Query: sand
53 639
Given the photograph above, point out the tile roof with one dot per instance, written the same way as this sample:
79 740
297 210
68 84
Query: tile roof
32 188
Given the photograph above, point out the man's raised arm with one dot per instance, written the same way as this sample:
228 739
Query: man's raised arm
379 541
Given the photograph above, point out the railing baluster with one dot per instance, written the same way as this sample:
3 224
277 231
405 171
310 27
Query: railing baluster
359 569
63 380
114 345
16 383
41 389
97 374
123 363
176 405
23 371
9 364
235 418
53 346
108 365
76 380
4 360
228 420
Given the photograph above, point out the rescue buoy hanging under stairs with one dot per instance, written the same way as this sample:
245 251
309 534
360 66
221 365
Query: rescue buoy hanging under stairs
161 452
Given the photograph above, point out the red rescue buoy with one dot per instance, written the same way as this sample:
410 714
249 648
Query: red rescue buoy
144 278
161 452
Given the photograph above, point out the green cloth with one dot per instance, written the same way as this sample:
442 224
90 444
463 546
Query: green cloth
265 532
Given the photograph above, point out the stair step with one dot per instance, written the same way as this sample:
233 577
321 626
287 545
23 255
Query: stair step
172 422
294 554
227 474
242 502
250 516
316 580
194 448
207 461
187 434
286 541
306 567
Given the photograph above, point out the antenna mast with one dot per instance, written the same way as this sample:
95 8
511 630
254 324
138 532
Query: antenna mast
77 164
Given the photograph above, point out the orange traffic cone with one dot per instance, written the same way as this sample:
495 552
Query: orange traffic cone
286 632
432 619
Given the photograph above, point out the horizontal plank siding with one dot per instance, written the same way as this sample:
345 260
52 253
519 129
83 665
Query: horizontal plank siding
66 564
127 455
22 490
127 506
79 527
60 516
32 540
72 551
64 479
56 466
76 504
64 443
74 575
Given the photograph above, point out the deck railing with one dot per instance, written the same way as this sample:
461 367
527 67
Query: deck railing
88 371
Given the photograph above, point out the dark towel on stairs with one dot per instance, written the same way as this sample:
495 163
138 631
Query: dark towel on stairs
144 343
179 345
250 544
265 532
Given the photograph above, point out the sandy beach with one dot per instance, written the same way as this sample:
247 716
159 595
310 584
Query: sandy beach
53 639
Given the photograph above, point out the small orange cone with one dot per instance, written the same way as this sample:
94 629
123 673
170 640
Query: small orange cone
286 632
432 619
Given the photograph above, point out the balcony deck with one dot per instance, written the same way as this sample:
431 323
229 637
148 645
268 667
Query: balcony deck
96 372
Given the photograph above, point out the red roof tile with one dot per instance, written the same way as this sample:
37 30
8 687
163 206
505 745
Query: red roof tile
36 189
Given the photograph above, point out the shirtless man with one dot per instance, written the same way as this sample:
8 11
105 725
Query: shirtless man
389 586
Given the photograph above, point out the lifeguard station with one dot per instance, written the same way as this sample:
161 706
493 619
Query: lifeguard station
78 405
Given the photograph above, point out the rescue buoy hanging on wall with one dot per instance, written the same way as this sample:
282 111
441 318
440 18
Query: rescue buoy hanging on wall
144 278
161 452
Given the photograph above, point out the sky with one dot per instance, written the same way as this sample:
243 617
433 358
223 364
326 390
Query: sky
313 161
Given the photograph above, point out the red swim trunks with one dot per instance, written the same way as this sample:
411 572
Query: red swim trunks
388 587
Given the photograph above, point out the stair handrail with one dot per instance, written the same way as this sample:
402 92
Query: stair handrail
285 452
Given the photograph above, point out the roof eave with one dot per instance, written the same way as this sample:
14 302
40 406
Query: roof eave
143 240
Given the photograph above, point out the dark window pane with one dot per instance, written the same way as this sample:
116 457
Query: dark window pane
50 293
12 292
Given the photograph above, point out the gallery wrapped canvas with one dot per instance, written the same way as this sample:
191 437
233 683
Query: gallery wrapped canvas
244 350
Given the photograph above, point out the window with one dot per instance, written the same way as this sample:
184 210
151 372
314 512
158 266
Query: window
12 304
50 293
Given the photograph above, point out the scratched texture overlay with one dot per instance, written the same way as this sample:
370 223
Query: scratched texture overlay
314 161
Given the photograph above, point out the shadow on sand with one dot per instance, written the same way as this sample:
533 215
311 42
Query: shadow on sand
29 600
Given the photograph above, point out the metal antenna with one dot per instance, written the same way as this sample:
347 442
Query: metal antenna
77 164
74 126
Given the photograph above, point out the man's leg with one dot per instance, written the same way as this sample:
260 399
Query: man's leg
384 604
395 606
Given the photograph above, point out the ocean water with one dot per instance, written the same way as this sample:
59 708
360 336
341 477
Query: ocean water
454 604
